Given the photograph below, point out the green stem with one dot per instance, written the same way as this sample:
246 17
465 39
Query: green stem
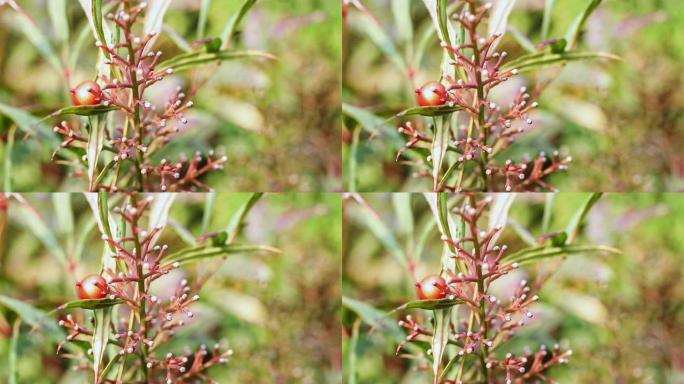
136 106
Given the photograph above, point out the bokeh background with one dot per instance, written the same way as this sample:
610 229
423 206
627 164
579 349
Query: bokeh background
622 122
279 313
278 121
622 315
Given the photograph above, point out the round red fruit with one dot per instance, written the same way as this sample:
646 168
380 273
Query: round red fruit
431 94
86 93
432 287
92 287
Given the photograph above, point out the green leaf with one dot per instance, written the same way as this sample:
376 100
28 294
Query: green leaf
32 316
58 17
367 24
523 40
97 20
370 219
429 111
377 319
65 216
208 210
401 9
531 61
13 348
577 25
440 338
522 232
533 254
438 150
100 337
578 218
29 124
95 144
112 362
24 24
201 253
91 304
549 5
550 199
499 19
203 16
194 59
235 224
7 168
430 304
235 21
82 110
351 354
31 220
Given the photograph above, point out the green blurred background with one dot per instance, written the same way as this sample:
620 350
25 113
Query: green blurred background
622 315
622 122
278 121
279 313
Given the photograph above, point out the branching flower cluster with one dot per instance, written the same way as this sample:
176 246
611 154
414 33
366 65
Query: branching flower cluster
485 128
143 129
487 322
147 321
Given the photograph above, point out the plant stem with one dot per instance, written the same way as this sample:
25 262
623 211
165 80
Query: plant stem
135 98
481 290
480 98
142 314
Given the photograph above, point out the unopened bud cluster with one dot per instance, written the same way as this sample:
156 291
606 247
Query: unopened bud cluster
140 128
484 128
155 321
489 321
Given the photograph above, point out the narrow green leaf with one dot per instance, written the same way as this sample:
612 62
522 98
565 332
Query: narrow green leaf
429 111
578 218
539 253
203 16
235 21
430 304
522 232
82 110
200 253
95 144
13 350
32 316
209 201
576 27
372 123
64 213
58 16
499 20
29 124
112 362
550 200
7 168
376 319
353 153
185 235
523 40
528 62
353 342
100 337
194 59
31 221
549 5
368 25
235 224
370 219
177 39
440 338
438 150
40 41
92 304
401 9
97 20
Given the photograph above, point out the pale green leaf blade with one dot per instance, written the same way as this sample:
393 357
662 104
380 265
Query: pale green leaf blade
578 218
238 217
576 27
235 21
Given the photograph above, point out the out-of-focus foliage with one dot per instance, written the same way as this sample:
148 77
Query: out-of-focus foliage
279 313
622 315
278 121
621 121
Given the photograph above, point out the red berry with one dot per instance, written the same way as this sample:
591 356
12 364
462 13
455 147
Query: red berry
431 94
92 287
86 93
432 287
